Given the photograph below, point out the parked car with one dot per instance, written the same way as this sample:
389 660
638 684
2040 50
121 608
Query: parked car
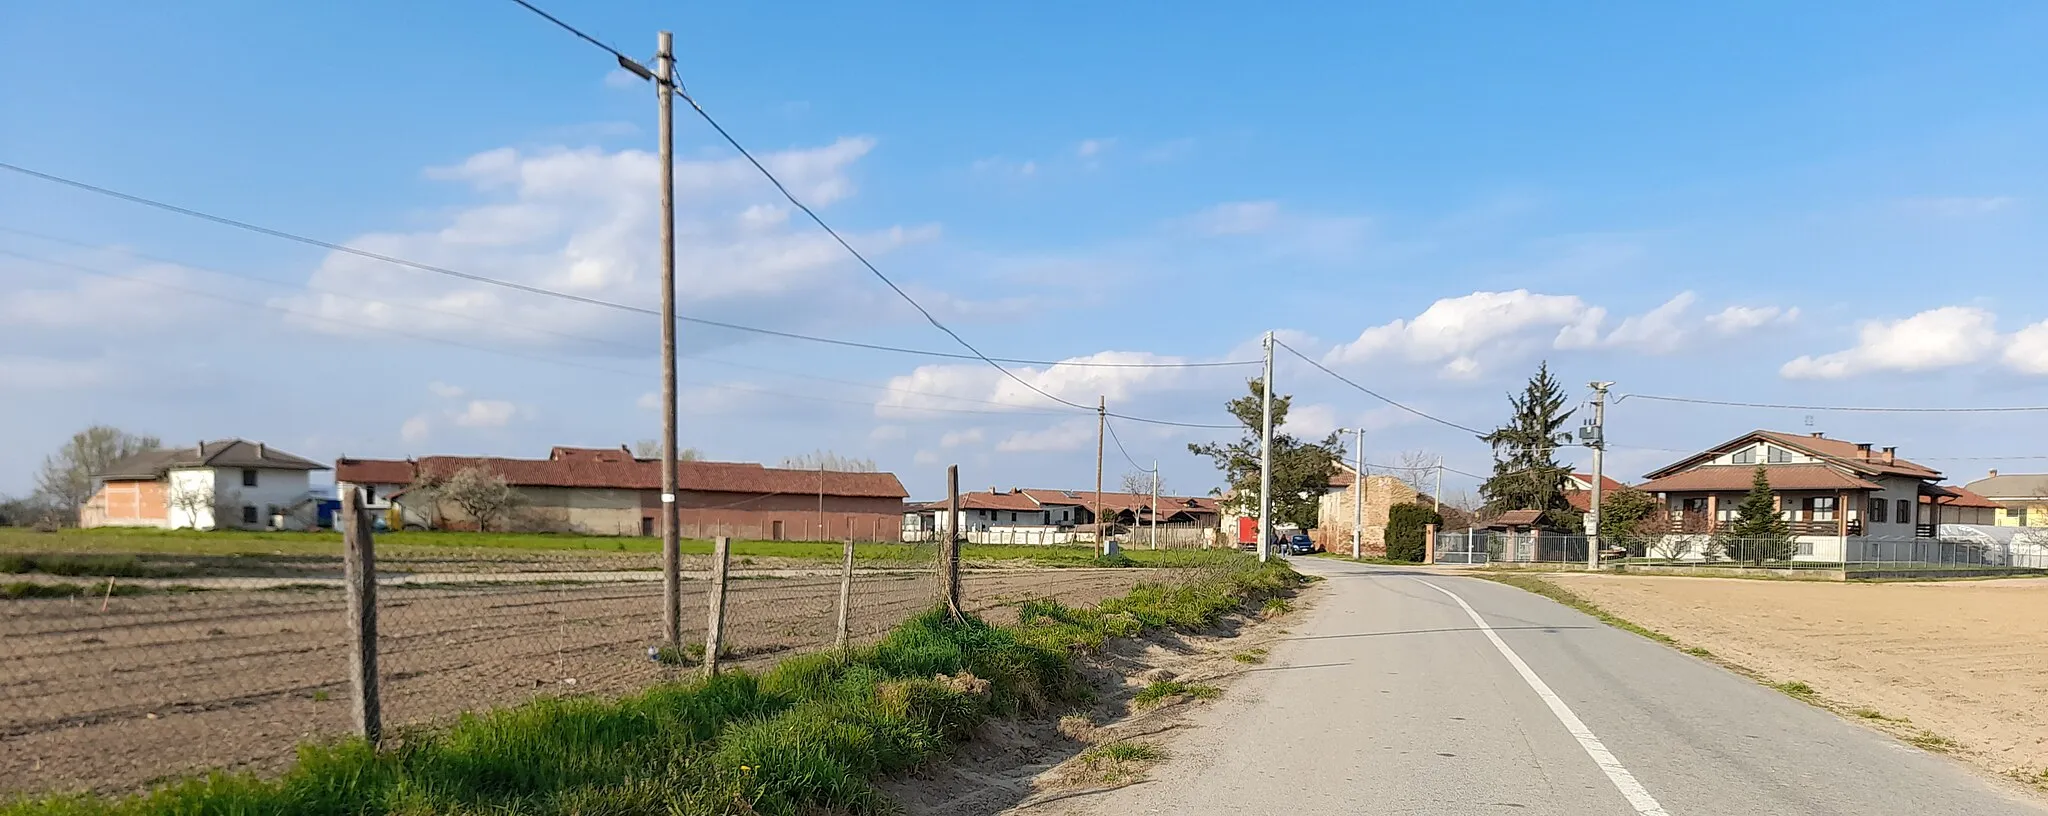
1300 544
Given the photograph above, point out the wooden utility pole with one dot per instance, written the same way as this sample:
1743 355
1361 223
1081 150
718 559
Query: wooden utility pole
671 518
359 569
1101 425
714 624
1155 504
949 546
845 599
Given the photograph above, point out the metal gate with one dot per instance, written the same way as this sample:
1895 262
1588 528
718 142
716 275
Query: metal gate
1463 547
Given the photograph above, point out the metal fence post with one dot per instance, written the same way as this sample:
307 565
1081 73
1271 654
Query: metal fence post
845 598
359 568
714 626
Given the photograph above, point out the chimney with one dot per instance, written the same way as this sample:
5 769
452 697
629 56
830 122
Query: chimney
261 452
992 490
1891 454
1819 435
1863 450
1994 474
201 448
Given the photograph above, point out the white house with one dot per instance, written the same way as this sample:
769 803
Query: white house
231 483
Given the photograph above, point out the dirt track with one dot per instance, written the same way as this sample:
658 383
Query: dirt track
165 685
1967 661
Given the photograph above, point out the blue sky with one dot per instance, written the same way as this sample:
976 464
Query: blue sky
1836 204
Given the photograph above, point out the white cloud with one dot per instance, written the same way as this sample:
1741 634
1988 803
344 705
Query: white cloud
620 78
1583 332
954 439
650 401
1938 338
1093 148
1066 436
1237 218
1455 330
414 429
133 296
444 390
1959 206
1312 421
486 414
578 220
999 166
1738 319
888 433
1077 383
1658 331
2028 351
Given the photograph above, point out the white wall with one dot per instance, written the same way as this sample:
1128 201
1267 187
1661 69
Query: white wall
275 488
188 499
1763 455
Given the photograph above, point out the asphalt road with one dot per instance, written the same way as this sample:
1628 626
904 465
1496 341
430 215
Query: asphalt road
1390 698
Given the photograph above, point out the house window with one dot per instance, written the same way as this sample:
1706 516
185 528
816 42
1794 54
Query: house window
1803 548
248 477
1905 512
1780 456
1819 508
1013 518
248 514
1746 456
1878 506
369 494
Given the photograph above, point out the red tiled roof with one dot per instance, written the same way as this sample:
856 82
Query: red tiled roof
592 471
1953 496
1737 478
1849 453
563 453
1582 500
1608 484
1113 501
1515 518
997 501
373 471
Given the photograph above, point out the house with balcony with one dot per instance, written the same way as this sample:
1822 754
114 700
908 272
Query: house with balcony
1844 500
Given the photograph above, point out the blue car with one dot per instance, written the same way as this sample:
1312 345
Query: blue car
1300 544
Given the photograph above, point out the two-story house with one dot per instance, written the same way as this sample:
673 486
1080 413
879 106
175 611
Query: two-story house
1844 500
230 483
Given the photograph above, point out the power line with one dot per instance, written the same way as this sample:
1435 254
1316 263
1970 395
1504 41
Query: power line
473 347
1111 426
1375 394
586 300
1851 408
677 89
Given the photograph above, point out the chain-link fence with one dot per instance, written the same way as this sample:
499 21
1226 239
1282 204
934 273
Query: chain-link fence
1958 552
182 666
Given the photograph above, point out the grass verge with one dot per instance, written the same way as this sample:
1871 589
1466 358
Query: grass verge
807 736
26 590
1164 691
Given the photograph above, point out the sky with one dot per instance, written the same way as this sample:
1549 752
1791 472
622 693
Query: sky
1825 204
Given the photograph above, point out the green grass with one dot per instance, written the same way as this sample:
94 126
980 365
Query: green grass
1275 607
1795 688
120 546
25 590
114 565
1370 559
1250 657
1531 583
1930 741
1874 714
1124 751
1160 692
807 737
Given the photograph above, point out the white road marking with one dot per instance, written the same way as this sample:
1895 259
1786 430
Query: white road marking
1624 781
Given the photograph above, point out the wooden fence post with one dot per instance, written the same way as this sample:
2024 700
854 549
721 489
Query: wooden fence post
949 545
714 626
359 569
845 598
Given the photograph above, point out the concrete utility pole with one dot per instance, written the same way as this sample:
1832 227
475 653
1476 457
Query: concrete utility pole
1599 445
1266 458
1155 504
1436 497
1101 424
671 519
1358 497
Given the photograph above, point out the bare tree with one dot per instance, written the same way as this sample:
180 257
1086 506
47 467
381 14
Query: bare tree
651 449
1417 469
827 460
69 476
482 494
1140 482
208 508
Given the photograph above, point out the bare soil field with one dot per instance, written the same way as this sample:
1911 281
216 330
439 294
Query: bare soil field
1964 661
158 686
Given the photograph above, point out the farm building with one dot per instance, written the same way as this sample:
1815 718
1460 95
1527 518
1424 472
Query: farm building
607 491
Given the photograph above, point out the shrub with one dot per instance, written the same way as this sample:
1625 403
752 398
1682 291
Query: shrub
1407 527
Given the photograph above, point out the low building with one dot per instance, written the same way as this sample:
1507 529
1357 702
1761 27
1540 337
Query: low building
1335 511
1015 514
2021 498
607 491
1949 504
229 483
1844 500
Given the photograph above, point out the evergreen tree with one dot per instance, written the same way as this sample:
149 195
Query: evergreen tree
1526 474
1298 466
1760 533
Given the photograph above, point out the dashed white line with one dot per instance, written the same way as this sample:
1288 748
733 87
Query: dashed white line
1624 781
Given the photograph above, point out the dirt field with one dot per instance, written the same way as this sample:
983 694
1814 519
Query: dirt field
1967 661
158 686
